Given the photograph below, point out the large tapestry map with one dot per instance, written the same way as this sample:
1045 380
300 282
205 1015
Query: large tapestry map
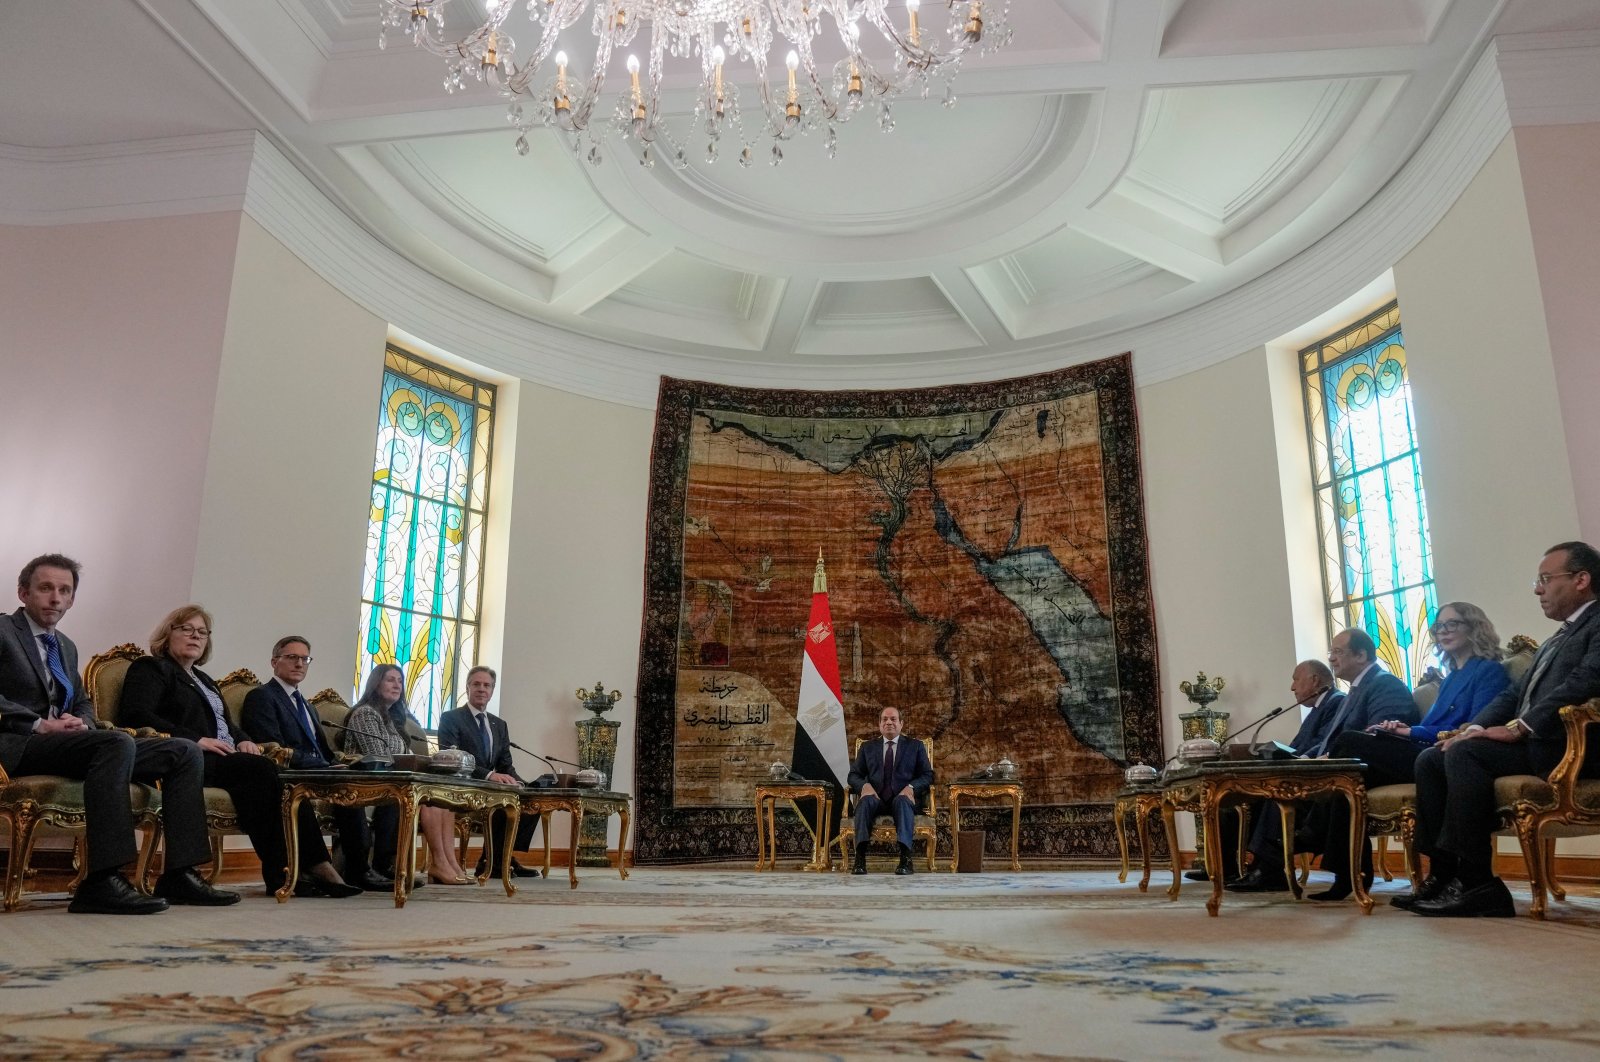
986 570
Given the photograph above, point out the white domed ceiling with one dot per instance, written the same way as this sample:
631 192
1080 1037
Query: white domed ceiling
1119 164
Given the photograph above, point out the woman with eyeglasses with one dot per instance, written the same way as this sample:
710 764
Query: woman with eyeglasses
376 726
167 691
1474 675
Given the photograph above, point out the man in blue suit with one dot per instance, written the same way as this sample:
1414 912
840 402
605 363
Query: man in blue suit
889 777
278 711
472 729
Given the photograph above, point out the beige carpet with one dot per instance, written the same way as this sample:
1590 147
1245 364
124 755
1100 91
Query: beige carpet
728 964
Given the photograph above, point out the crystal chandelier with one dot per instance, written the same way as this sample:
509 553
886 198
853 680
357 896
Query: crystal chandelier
811 92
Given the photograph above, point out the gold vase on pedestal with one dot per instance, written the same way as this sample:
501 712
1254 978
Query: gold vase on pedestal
1203 722
597 749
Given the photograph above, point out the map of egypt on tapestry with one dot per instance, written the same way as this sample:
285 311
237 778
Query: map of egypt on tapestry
985 568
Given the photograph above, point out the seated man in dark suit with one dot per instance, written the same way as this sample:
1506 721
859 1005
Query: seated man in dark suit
278 711
1375 695
1519 732
47 726
471 728
889 777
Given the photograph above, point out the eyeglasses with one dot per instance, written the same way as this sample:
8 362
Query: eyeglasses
1545 577
189 628
295 659
1448 626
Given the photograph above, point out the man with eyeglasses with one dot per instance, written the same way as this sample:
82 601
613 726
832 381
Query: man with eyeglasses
278 711
1519 732
48 727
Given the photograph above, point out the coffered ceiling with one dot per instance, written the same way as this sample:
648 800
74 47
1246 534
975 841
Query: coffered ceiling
1121 163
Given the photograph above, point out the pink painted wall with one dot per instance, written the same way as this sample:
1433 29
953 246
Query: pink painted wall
110 339
1561 178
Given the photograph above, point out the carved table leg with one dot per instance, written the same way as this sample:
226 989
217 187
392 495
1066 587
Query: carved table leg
1286 811
405 850
1356 794
623 817
1016 829
544 828
1210 803
508 842
761 833
572 851
1169 821
1141 826
1119 812
291 830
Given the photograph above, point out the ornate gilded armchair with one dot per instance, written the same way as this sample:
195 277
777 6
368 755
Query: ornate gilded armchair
1564 805
104 676
924 826
56 803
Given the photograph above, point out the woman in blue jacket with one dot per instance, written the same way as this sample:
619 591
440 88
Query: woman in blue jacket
1470 648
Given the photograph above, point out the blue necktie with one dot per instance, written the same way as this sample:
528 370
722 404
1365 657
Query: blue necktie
58 670
305 721
488 744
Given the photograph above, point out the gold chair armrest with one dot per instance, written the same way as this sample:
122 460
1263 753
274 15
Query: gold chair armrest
277 753
1577 719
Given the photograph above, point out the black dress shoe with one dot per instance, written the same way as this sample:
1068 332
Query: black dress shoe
859 866
904 867
1490 900
113 895
309 887
1430 889
1197 874
520 871
372 881
188 888
1333 895
1254 880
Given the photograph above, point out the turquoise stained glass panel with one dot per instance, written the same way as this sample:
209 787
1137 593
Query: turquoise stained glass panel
1372 508
423 574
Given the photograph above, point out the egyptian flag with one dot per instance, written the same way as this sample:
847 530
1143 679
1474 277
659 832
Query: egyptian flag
819 739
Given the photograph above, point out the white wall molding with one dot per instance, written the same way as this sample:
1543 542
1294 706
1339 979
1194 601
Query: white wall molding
116 182
1551 78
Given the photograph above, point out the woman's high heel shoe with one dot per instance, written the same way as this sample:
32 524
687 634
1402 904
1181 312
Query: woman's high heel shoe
440 879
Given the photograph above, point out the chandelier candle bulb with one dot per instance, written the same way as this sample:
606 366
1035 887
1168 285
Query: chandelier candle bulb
911 12
974 30
791 110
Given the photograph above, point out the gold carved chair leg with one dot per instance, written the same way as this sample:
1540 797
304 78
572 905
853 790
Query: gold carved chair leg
1550 870
80 862
217 853
1383 856
24 818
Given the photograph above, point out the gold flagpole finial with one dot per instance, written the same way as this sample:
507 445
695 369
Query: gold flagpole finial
819 581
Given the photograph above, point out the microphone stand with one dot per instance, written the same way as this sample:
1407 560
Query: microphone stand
535 755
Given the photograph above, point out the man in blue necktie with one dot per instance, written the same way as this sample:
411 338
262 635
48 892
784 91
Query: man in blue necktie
48 727
472 729
1519 732
889 777
278 711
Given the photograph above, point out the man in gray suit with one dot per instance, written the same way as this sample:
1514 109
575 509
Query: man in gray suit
1519 732
47 727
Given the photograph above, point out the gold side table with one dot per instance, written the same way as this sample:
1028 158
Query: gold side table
766 800
577 803
410 790
1205 788
981 790
1140 801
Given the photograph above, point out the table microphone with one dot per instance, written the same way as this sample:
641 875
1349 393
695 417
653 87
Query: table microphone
1277 750
535 755
565 763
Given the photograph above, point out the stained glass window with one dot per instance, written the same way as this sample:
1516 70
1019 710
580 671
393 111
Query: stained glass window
1377 563
423 583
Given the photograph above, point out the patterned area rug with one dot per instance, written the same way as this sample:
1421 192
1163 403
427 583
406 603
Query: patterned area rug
722 964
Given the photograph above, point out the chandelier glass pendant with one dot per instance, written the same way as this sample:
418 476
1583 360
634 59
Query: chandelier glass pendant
809 91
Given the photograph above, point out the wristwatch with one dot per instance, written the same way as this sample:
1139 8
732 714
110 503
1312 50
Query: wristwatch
1515 728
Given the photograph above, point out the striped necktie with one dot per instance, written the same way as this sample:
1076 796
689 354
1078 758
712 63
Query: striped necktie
58 672
1541 664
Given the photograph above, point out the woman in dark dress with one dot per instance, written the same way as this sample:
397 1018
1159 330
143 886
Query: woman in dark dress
167 691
